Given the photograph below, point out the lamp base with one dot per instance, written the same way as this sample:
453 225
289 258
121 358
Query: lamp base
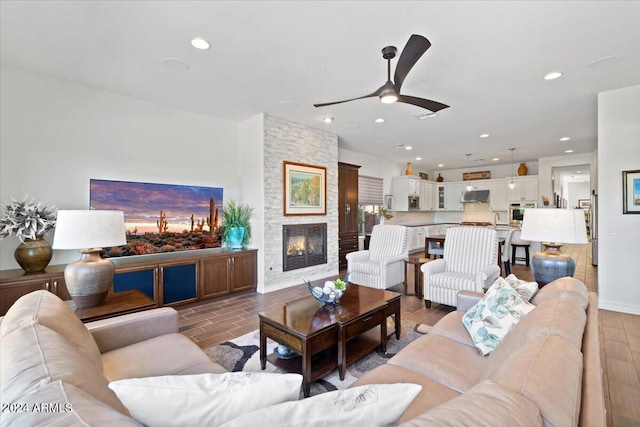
551 264
89 279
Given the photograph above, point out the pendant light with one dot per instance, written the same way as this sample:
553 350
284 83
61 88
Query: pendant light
469 187
511 184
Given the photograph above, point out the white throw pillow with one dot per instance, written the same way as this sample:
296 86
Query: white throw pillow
526 289
203 400
489 321
369 405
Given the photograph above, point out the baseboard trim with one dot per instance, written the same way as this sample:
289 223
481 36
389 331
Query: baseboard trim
616 306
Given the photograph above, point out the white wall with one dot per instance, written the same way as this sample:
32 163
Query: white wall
251 158
376 167
56 135
497 171
577 191
545 165
619 235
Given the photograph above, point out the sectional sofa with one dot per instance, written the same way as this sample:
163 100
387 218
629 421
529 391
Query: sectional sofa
546 371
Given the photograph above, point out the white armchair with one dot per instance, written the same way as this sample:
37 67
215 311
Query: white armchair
382 266
470 263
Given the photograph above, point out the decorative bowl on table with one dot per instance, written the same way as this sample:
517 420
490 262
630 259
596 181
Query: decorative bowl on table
330 291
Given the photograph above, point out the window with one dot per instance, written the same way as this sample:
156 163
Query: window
370 199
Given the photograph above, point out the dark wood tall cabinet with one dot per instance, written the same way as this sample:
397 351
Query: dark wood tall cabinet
347 211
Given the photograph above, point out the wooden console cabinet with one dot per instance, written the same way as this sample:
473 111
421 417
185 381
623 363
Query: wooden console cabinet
168 279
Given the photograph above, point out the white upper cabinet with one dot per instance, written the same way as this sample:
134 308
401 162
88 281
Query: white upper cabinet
498 200
427 198
526 189
403 187
452 195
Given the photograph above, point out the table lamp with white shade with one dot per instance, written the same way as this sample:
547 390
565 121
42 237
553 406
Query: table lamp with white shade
89 279
553 227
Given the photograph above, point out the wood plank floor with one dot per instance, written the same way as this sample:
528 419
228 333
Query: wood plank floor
213 322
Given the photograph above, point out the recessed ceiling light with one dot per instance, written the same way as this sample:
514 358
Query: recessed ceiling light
553 75
418 158
327 119
605 61
578 172
565 138
175 65
422 116
484 135
379 120
408 147
201 44
568 151
440 165
495 159
287 103
351 126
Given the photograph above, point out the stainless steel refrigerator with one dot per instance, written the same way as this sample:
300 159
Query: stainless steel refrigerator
593 227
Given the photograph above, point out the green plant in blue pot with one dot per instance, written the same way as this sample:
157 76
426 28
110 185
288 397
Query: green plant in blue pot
236 226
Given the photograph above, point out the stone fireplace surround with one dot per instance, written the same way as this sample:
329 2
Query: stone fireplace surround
287 140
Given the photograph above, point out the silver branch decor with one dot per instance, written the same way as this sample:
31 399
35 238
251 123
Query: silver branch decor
26 220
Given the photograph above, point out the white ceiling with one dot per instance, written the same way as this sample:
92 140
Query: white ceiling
487 61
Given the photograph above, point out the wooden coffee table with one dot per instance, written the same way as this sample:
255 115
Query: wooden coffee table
329 336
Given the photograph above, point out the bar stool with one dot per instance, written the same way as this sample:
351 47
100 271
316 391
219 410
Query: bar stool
517 242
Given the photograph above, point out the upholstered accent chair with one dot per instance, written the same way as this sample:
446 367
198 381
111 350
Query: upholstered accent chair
382 265
470 263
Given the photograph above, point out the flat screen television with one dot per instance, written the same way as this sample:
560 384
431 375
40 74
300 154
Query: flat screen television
161 218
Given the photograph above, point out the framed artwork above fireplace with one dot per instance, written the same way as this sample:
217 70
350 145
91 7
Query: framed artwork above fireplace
305 189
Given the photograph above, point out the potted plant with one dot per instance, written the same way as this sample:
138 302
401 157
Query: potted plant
236 226
29 221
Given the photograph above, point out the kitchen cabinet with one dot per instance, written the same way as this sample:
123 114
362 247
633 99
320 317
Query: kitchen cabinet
526 189
403 187
347 211
439 197
452 194
498 200
427 198
416 238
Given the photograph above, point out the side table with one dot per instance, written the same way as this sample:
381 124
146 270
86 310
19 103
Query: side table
117 303
417 274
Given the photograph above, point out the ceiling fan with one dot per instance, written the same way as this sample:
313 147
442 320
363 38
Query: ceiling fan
390 91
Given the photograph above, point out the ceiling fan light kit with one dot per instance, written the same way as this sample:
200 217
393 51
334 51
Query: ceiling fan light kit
390 91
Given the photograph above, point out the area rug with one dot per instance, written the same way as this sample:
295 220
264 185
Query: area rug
242 354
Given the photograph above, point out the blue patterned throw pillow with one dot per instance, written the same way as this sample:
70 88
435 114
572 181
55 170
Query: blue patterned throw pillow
489 321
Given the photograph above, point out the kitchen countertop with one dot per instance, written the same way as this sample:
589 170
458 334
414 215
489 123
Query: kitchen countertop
499 226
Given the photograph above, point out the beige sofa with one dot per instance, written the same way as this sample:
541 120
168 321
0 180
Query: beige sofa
56 371
546 371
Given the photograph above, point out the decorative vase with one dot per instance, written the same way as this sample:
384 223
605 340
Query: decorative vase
408 171
523 169
439 178
33 255
235 237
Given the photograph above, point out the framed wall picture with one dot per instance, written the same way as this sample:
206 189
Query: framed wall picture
305 189
584 203
631 192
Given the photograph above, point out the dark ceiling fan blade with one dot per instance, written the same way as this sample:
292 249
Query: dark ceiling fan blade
421 102
371 95
413 50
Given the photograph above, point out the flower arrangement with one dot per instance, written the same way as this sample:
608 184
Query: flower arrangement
27 220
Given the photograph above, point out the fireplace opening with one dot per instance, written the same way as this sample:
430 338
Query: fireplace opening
303 245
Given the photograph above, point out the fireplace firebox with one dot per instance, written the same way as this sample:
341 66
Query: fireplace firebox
303 245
